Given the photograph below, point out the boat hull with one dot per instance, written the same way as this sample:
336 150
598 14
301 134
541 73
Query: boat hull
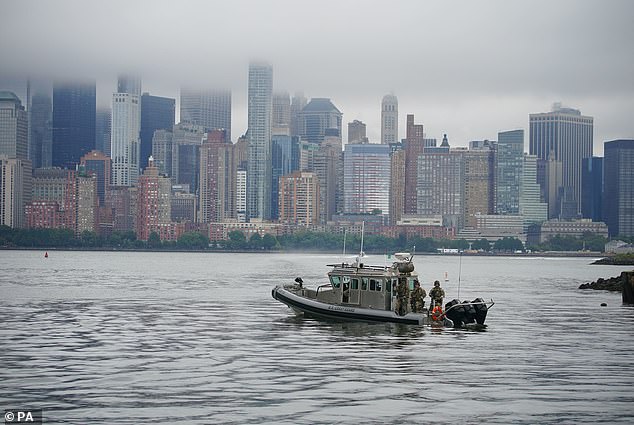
327 311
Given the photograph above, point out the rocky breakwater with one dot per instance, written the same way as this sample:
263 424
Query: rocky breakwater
623 283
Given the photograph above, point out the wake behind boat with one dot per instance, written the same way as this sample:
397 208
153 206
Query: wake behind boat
360 292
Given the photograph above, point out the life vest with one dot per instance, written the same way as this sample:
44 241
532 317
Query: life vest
436 313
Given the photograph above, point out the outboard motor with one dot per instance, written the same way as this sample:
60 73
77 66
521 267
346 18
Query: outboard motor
455 314
469 313
480 310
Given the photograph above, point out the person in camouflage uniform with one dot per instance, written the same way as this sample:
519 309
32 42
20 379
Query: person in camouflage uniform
402 296
436 294
417 299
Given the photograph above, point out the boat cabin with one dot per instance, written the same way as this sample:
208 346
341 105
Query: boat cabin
358 285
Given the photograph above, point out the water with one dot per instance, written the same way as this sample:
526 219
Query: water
195 338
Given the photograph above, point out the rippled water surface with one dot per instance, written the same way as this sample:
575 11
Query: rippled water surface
103 337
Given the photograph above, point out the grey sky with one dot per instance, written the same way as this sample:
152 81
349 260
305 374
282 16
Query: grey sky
465 68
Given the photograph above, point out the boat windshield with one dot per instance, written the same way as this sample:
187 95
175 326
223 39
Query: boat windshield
335 280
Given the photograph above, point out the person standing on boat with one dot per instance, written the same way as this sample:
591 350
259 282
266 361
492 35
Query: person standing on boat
436 294
417 299
402 296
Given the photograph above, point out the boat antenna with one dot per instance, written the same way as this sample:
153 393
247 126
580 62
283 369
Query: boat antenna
362 232
344 246
413 252
459 272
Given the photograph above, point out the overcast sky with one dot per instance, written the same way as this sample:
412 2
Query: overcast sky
465 68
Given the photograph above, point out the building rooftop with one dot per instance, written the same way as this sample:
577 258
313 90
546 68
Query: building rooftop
320 104
9 95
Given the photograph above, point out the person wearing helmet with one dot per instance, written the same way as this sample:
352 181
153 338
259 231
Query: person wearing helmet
436 294
402 297
417 300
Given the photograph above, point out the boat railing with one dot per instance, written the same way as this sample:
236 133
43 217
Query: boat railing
358 266
322 286
489 304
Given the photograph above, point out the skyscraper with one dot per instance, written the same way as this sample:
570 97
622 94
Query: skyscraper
389 119
414 146
318 116
157 113
15 190
40 113
509 161
566 135
153 202
210 109
209 193
299 199
592 188
103 127
259 137
13 127
531 207
356 131
297 104
162 151
397 182
618 205
478 183
281 119
97 164
129 83
74 110
366 177
284 160
186 141
125 142
440 186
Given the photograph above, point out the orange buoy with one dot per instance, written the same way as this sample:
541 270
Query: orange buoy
46 254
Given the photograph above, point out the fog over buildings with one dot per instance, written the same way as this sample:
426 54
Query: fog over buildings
468 69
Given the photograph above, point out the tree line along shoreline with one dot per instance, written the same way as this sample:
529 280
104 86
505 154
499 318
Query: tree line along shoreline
11 238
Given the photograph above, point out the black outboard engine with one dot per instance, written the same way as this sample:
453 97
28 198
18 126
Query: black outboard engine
480 310
469 313
455 314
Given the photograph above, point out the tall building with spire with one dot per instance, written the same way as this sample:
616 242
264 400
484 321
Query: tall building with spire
389 119
260 103
565 135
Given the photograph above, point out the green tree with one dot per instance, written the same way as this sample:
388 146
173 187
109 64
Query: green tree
508 244
256 241
154 241
193 240
269 242
481 244
237 240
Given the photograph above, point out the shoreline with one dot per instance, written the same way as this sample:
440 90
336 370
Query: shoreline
549 254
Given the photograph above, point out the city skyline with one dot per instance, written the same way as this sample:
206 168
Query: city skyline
468 70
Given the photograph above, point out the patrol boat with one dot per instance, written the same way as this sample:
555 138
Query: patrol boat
360 292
